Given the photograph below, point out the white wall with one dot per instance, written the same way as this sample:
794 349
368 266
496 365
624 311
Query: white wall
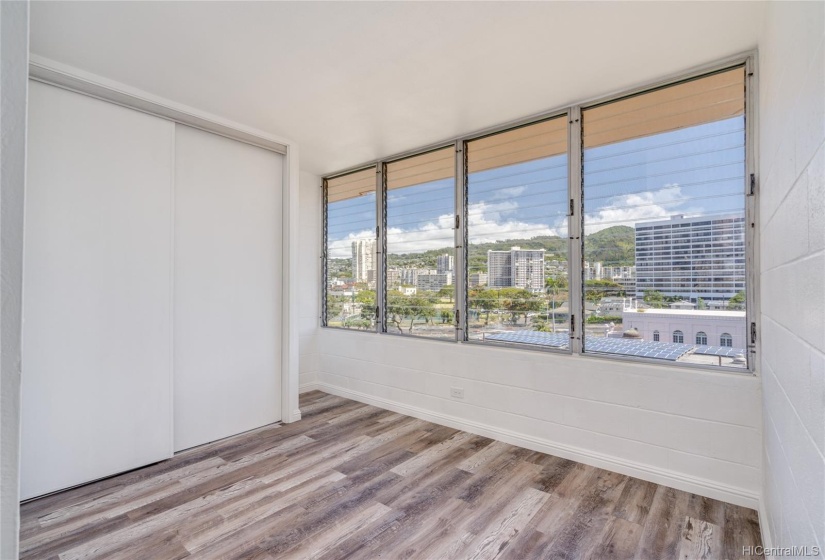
792 227
309 270
14 72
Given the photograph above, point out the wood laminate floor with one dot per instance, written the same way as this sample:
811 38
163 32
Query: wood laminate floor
354 481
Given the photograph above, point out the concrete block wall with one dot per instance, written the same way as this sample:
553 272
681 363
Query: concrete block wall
792 229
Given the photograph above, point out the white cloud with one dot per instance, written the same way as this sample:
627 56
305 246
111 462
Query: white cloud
507 193
496 221
628 209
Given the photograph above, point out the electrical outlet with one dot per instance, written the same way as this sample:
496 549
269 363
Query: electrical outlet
457 392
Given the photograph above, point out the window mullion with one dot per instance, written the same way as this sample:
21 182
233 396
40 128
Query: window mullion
324 259
575 262
460 268
381 249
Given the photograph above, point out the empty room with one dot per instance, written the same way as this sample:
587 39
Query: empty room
425 280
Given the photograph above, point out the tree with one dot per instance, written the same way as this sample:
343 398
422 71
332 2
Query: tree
358 323
335 305
484 300
737 302
446 316
559 283
398 307
401 307
447 292
654 299
424 308
700 304
519 302
595 290
366 297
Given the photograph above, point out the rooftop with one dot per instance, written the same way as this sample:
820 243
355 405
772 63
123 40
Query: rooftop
689 312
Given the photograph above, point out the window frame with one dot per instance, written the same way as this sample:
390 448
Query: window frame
575 255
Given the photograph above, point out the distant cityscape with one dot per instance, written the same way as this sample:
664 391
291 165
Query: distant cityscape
691 258
689 275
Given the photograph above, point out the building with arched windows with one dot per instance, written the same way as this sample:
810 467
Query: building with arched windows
700 327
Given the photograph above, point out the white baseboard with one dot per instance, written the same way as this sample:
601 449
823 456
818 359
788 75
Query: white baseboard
764 525
307 387
680 481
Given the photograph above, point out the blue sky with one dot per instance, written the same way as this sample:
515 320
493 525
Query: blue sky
694 171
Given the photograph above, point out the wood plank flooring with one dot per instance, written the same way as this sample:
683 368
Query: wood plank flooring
354 481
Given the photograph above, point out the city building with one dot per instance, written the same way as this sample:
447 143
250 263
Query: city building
615 306
444 263
698 257
409 276
393 278
712 328
516 268
477 279
363 260
432 282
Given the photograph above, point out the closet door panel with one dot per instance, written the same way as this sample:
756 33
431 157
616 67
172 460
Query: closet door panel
97 346
227 287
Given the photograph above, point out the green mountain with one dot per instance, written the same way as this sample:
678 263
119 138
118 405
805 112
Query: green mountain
614 246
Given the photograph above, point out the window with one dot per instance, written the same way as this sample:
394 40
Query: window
420 245
597 229
350 251
672 159
517 206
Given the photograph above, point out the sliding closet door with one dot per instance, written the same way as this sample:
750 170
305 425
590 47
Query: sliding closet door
97 327
227 287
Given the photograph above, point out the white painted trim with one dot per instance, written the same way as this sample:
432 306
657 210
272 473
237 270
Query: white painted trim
764 525
290 306
68 77
307 387
74 79
666 477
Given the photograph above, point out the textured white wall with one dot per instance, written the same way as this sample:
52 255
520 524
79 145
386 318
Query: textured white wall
688 429
792 222
14 71
309 274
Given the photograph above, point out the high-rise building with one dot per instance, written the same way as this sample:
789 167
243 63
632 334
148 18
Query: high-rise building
444 263
499 264
692 258
516 268
363 260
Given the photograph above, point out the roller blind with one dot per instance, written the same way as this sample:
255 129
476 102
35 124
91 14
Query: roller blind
712 98
418 170
352 185
528 143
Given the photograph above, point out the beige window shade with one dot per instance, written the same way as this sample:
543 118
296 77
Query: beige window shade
528 143
425 168
712 98
353 185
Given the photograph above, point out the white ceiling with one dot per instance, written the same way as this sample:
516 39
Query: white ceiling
352 82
